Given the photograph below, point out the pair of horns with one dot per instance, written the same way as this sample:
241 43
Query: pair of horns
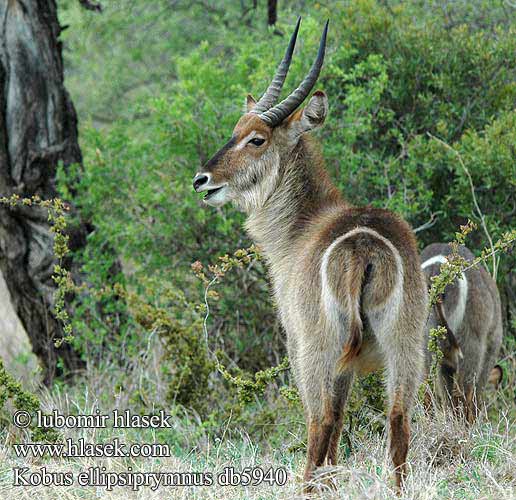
274 115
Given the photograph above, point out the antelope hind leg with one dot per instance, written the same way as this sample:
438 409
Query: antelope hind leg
403 376
342 388
317 389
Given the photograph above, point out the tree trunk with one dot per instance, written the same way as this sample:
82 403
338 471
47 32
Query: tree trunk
38 129
272 12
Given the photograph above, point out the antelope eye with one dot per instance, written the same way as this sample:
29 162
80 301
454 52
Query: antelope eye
257 141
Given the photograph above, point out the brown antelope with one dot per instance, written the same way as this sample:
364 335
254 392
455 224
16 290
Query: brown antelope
347 280
471 312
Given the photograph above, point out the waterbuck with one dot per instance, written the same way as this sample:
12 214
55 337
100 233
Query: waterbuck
470 311
347 280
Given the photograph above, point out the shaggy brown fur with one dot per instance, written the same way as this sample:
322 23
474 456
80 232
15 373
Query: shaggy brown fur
347 281
471 313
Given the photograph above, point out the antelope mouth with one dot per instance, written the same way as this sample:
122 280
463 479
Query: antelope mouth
212 192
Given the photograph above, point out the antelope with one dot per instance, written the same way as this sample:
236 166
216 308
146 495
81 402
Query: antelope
347 281
470 311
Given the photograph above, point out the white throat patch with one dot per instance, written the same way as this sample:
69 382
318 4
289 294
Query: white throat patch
266 169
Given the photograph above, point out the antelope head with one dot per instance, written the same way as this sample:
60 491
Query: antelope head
245 170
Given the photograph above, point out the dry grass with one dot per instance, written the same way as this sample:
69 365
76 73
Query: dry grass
447 460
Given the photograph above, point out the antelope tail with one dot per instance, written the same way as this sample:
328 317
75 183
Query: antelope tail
357 278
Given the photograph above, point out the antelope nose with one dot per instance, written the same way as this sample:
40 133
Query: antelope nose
199 181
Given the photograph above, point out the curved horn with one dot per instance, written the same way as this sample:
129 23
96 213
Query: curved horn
272 93
278 113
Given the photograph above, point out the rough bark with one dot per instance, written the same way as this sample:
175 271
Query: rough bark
38 129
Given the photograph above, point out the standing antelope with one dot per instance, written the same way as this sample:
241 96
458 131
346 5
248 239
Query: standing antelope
471 312
347 280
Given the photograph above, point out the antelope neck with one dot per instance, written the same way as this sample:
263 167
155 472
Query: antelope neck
303 191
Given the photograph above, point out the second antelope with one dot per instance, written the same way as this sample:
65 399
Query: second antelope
347 281
470 311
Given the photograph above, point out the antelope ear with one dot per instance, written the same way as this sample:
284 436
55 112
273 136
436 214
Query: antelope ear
250 103
310 117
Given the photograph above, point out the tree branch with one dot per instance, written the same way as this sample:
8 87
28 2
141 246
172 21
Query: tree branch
88 5
428 224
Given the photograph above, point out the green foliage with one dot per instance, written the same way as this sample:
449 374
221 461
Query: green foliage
456 264
9 387
390 82
249 388
141 41
368 400
56 210
24 400
436 336
186 364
